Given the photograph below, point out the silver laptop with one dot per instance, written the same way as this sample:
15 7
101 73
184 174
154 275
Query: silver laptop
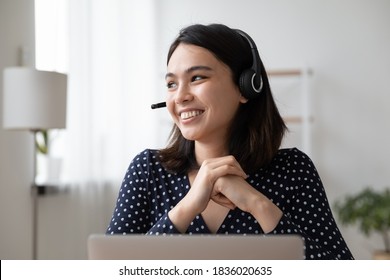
195 247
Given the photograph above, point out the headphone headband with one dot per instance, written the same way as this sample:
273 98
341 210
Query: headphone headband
251 81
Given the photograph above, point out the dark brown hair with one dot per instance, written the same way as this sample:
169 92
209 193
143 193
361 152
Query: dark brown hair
257 130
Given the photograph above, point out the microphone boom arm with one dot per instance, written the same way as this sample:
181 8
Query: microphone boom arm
159 105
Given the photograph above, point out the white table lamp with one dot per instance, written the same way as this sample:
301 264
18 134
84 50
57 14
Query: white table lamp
34 100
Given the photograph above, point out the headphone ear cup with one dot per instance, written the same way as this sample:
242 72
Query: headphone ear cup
245 84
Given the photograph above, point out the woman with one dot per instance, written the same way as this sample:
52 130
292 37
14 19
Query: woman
223 171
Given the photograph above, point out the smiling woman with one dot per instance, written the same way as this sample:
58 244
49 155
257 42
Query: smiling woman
223 170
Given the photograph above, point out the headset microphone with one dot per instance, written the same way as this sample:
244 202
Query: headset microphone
159 105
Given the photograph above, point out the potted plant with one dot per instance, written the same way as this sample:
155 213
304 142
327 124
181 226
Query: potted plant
42 141
48 166
370 210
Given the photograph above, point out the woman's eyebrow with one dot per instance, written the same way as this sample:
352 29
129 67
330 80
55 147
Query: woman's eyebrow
191 69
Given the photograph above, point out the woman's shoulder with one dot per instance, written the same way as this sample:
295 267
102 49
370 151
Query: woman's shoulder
147 156
149 159
291 155
147 162
147 153
290 152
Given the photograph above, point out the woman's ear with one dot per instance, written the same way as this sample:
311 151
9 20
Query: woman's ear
243 100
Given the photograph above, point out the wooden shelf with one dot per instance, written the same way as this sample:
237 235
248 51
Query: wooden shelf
287 72
296 119
303 118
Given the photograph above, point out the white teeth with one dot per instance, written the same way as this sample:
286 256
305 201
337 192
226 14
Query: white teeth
190 114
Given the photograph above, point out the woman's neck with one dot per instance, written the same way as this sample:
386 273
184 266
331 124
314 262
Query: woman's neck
206 151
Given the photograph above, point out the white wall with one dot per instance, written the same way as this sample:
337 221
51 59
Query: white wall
16 148
346 44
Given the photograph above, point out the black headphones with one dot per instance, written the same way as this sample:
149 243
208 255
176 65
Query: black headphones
250 81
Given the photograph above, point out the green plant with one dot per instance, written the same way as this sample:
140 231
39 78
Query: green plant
370 210
42 141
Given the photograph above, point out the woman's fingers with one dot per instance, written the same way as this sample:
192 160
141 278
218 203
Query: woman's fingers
222 166
203 182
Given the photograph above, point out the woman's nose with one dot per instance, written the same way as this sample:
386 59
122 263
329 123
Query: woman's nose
183 94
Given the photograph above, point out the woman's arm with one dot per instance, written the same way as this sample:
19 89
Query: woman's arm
303 209
138 208
248 199
199 194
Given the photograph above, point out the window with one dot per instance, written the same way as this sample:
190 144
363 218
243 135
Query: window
51 35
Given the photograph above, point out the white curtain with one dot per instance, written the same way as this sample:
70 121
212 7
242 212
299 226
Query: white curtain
112 82
113 77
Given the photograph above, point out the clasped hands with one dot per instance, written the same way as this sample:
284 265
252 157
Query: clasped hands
222 180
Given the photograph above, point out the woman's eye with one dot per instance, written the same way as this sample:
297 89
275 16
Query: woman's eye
171 85
197 78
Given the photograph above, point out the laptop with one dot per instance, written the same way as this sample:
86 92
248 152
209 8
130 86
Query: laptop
195 247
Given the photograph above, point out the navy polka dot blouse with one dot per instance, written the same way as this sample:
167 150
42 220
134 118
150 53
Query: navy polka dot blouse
291 181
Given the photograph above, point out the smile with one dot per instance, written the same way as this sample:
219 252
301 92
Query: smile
190 114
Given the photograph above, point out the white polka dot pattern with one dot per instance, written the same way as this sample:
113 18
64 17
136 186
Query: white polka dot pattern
291 181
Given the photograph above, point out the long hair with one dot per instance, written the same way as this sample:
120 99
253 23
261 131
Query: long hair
257 129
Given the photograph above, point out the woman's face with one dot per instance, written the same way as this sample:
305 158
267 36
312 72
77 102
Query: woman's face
202 97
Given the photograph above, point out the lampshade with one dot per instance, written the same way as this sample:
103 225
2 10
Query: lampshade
33 99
